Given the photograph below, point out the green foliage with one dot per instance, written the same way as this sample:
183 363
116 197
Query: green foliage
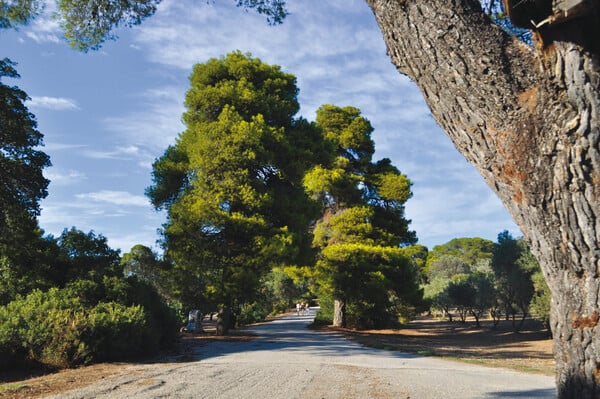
362 226
274 10
28 260
97 315
88 24
231 183
375 281
513 266
85 322
88 255
447 266
418 253
18 12
540 302
253 312
141 262
435 294
461 294
464 275
285 286
22 184
471 251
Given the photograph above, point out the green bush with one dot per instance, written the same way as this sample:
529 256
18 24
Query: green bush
116 331
324 315
252 313
71 326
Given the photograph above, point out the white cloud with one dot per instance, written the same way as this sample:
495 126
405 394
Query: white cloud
54 146
116 198
124 153
40 37
156 125
59 178
53 103
45 28
123 230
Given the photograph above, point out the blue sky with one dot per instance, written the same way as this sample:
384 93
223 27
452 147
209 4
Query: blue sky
106 115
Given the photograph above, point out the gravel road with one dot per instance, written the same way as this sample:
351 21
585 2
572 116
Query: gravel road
289 361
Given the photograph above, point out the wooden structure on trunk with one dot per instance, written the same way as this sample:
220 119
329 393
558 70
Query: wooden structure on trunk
533 14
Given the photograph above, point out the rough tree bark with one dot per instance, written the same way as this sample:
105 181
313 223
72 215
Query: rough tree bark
529 120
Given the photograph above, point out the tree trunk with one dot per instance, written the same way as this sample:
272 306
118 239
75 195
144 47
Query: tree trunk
339 313
529 120
223 321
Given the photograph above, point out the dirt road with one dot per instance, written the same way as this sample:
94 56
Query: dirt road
289 361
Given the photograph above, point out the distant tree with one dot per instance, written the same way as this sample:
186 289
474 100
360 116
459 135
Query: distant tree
28 260
484 294
281 291
540 302
461 295
88 255
447 266
513 276
142 262
435 294
460 277
149 267
470 250
363 219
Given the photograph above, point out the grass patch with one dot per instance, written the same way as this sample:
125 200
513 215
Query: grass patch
12 387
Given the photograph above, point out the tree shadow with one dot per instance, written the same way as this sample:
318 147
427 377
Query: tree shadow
531 393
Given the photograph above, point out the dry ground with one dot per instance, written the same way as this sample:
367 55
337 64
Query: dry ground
529 351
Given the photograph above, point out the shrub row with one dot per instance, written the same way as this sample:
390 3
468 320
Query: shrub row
85 322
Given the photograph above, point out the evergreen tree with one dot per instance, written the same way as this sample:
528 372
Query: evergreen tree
361 264
231 183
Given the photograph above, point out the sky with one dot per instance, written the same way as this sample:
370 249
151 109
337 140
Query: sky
106 115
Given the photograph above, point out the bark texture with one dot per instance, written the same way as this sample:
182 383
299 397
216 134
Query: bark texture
529 120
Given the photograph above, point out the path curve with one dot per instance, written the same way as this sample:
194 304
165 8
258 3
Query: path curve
289 361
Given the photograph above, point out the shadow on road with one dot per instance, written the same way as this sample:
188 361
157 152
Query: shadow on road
289 335
533 393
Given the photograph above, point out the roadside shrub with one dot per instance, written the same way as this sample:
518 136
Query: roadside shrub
71 326
116 331
324 316
43 327
163 319
252 313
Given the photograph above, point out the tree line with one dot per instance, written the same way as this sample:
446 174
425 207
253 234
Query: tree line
479 278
